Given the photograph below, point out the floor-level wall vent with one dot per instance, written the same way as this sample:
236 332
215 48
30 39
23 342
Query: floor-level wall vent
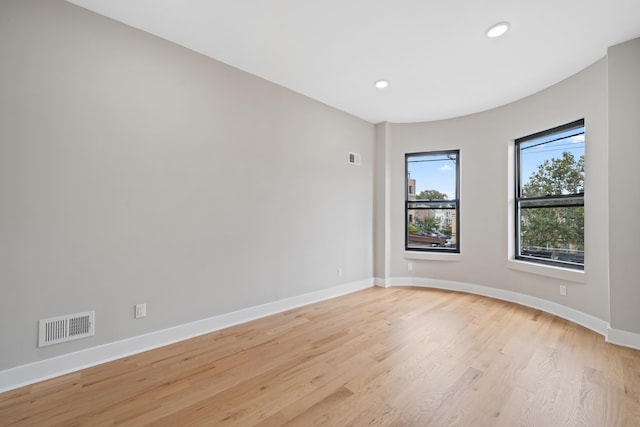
66 328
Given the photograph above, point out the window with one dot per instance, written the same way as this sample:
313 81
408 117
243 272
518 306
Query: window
550 196
431 201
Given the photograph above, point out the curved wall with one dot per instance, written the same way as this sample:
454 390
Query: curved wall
133 170
486 161
605 297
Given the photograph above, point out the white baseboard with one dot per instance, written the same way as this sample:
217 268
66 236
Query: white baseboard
602 327
624 338
380 282
38 371
590 322
49 368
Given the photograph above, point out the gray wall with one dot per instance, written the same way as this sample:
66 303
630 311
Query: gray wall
381 203
486 144
133 170
624 191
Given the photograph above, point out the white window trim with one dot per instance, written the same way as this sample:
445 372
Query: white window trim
569 274
432 256
553 271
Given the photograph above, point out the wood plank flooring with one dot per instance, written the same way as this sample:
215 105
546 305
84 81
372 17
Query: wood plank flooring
392 357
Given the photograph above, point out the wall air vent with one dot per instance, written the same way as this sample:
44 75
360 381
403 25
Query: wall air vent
66 328
354 159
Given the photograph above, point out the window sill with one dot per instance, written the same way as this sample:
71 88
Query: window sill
547 270
432 256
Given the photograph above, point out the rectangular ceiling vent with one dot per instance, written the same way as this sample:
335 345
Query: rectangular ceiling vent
66 328
354 159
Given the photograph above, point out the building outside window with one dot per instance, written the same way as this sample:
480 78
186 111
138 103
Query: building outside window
550 196
432 201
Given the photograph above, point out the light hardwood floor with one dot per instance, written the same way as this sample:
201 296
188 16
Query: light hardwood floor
398 356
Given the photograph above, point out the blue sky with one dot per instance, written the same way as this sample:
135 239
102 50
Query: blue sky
438 172
536 151
434 173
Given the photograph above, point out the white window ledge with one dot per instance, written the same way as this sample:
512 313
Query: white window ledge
432 256
548 270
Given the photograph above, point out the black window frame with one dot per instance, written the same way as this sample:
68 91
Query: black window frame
432 204
547 201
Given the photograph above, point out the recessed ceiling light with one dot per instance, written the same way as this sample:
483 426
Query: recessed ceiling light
498 29
381 84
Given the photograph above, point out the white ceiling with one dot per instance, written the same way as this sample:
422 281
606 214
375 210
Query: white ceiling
435 54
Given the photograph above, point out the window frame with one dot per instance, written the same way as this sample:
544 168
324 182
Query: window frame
455 202
548 201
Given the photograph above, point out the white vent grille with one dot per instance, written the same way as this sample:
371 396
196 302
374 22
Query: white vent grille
66 328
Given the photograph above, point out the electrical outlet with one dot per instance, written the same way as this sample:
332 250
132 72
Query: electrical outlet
339 272
140 311
410 266
563 290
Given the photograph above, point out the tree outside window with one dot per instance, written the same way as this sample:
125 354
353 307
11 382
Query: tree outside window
432 204
550 196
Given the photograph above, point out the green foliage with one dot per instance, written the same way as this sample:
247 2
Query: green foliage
431 195
428 224
559 176
555 227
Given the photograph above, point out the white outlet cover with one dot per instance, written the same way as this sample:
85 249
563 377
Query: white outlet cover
140 311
